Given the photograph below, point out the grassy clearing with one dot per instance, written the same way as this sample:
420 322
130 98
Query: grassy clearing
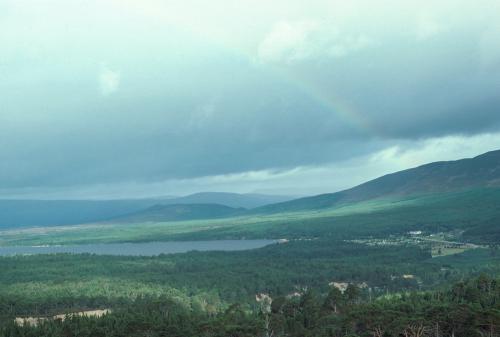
447 249
34 321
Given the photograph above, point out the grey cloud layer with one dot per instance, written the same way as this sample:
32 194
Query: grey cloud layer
125 96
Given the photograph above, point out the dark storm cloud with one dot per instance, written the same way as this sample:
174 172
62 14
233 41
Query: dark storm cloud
146 101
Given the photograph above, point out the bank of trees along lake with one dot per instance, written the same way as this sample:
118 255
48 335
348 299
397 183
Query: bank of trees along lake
49 284
213 293
465 309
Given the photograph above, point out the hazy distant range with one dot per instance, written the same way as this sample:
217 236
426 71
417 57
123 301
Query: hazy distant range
28 213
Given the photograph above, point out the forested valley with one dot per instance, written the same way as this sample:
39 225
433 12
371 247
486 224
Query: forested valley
469 309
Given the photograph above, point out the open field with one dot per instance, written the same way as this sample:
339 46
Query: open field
444 250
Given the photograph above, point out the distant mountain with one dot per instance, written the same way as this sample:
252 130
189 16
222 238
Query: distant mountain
29 213
438 177
228 199
162 213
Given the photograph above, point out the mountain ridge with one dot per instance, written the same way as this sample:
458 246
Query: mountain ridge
17 213
180 212
442 176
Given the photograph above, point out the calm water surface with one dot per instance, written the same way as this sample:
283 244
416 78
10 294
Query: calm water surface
140 249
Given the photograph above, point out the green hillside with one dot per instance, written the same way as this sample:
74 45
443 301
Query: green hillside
459 196
475 212
438 177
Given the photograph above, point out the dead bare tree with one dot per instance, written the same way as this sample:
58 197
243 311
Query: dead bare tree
267 326
415 330
377 332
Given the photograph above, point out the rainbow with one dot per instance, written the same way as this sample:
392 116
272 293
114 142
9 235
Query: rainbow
331 102
325 97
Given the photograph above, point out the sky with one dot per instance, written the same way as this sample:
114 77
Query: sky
105 99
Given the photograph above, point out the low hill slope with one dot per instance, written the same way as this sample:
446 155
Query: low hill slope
163 213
